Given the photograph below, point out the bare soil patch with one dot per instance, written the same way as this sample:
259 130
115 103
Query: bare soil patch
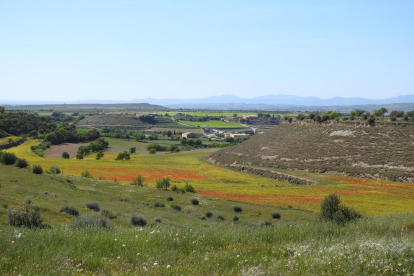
57 150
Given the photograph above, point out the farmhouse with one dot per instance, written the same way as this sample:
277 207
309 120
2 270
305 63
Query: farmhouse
178 115
189 135
249 116
238 135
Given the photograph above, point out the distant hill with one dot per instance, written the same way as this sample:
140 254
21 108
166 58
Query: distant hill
268 102
381 152
140 106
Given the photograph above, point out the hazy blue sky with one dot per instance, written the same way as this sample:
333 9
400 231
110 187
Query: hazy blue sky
78 50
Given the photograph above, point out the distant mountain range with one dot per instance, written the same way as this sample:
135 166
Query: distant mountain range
268 102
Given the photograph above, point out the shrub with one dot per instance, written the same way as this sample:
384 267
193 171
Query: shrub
220 218
99 155
152 151
54 170
158 220
21 163
195 201
28 216
209 214
170 198
90 221
8 158
177 208
189 189
123 155
93 206
333 210
235 218
138 221
70 210
237 209
275 215
156 204
65 155
265 223
124 199
86 174
108 214
36 169
139 180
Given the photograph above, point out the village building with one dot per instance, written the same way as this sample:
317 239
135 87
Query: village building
189 135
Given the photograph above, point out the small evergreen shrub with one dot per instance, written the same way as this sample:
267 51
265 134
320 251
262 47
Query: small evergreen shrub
86 174
124 199
235 218
189 189
138 221
7 158
28 216
70 210
36 169
237 209
209 214
156 204
170 198
90 221
152 151
139 180
93 206
265 223
54 170
220 218
21 163
65 155
275 215
333 210
108 214
177 208
158 220
195 201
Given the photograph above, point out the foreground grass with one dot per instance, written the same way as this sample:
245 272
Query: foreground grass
380 246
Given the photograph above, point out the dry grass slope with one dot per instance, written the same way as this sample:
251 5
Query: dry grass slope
372 152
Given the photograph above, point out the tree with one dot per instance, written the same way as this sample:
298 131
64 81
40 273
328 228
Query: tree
99 155
1 110
123 155
383 110
10 140
333 210
65 155
163 183
132 150
234 115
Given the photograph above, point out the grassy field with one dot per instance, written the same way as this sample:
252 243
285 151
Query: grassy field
212 124
371 197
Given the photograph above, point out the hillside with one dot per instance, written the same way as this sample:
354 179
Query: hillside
381 152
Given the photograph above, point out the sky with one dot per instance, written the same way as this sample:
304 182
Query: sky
129 49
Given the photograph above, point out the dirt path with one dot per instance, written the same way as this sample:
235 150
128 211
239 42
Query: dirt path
56 151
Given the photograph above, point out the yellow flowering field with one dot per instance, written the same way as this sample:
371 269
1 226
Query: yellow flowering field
371 197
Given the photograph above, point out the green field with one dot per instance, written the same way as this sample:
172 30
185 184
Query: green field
212 124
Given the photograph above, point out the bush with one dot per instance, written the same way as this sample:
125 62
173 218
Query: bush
158 220
86 174
99 155
237 209
36 169
139 180
8 158
123 155
209 214
93 206
54 170
108 214
90 221
195 201
189 189
235 218
177 208
21 163
265 223
28 216
70 210
152 151
275 215
163 183
220 218
170 198
333 210
138 221
65 155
